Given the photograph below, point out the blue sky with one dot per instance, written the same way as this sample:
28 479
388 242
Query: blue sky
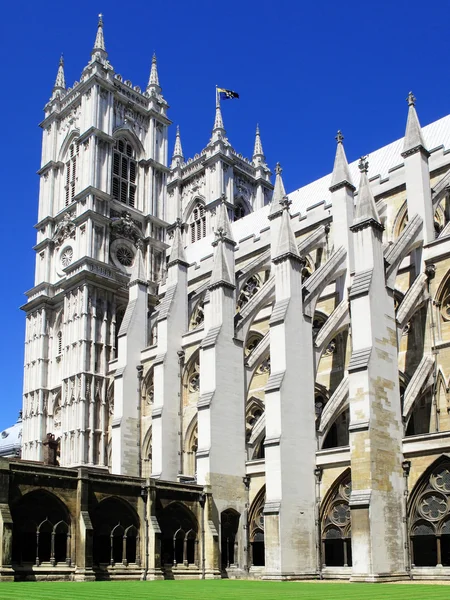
302 69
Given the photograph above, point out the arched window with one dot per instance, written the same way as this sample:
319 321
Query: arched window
256 527
335 525
59 337
71 171
337 435
198 223
239 211
430 519
124 173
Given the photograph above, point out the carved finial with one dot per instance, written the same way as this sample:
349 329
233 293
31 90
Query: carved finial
178 223
278 169
285 203
363 164
100 20
411 99
153 81
223 198
339 137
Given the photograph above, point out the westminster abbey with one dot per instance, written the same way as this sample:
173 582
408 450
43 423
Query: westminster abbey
222 379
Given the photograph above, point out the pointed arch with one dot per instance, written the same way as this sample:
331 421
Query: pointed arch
197 199
335 523
147 453
429 516
256 529
71 136
132 138
190 447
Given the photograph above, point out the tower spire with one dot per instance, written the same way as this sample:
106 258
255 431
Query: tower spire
413 135
99 44
366 209
258 152
279 193
341 172
60 82
177 157
218 131
153 80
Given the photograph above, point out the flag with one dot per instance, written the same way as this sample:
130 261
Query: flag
227 94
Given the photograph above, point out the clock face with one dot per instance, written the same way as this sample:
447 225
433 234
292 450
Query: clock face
64 259
122 254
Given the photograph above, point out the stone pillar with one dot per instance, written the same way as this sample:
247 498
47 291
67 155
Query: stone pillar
83 530
132 338
376 427
221 405
290 445
172 323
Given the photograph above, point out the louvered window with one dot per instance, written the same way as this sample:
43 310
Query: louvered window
71 172
198 223
124 173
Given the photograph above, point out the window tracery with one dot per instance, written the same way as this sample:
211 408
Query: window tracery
249 289
124 173
194 377
256 529
71 172
198 223
264 366
430 519
198 315
336 526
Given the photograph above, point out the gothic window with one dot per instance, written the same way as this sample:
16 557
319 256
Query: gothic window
198 222
198 316
420 419
249 289
256 528
124 173
430 519
252 341
120 313
71 172
239 211
318 323
335 526
191 447
337 435
192 380
255 409
59 337
229 522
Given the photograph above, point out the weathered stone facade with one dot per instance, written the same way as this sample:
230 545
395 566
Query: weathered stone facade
258 382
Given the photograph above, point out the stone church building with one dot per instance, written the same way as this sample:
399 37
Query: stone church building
222 379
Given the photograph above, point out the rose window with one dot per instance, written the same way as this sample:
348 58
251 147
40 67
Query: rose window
125 256
433 506
66 257
340 513
441 481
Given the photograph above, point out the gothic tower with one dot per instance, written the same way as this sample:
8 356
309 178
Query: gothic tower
101 212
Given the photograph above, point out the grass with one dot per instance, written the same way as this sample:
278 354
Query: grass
218 590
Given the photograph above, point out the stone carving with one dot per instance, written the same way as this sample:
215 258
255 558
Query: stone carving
66 229
126 227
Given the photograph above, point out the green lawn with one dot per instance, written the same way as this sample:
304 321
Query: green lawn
218 590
